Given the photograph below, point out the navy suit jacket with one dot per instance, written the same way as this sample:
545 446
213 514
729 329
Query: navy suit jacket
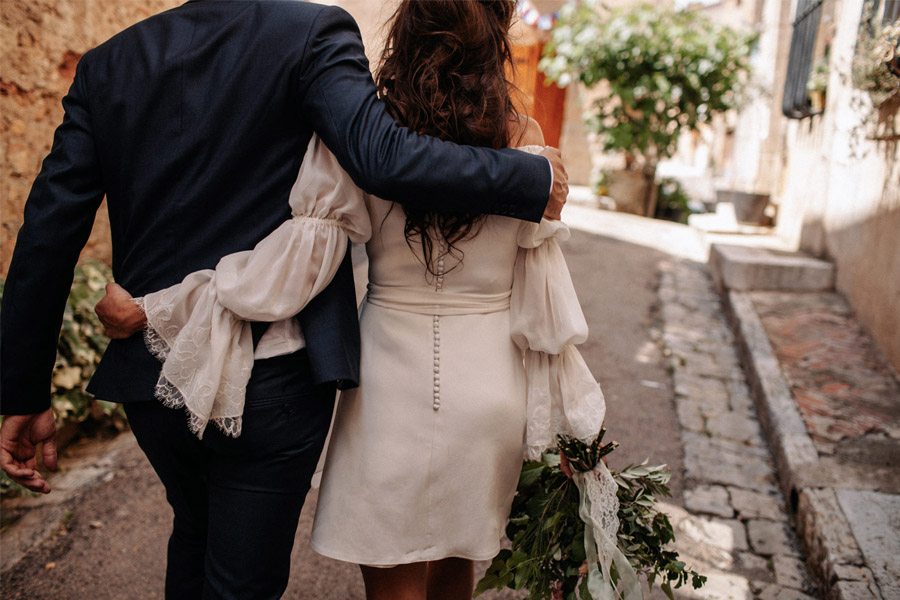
193 125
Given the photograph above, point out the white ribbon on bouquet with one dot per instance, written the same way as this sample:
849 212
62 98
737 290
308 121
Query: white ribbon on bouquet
599 510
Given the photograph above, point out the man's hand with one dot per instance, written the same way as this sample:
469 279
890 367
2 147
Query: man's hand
121 317
19 437
560 190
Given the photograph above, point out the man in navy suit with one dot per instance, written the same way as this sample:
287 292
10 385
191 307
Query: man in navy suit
193 125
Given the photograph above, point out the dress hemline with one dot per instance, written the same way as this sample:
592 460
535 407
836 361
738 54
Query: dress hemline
383 564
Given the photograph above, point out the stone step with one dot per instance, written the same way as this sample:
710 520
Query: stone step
744 268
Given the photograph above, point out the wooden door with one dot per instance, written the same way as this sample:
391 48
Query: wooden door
539 99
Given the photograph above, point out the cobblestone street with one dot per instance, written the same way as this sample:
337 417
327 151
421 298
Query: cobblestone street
739 522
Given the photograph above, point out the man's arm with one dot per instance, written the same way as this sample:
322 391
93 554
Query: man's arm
392 162
59 214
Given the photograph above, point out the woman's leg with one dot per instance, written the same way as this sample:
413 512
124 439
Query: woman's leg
451 579
403 582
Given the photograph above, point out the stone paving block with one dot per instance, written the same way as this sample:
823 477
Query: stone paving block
699 540
700 363
689 415
725 462
725 534
826 534
734 426
852 573
738 537
855 590
712 447
874 519
770 537
750 504
710 405
708 499
722 586
753 562
739 397
777 592
791 572
710 393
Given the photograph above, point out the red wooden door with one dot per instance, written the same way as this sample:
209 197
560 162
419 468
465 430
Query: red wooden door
542 101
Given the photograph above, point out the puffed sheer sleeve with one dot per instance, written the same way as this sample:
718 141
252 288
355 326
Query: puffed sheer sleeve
200 327
546 322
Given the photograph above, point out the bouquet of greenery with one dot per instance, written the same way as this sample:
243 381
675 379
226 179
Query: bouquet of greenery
551 551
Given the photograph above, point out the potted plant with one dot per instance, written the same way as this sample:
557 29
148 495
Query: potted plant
817 84
660 73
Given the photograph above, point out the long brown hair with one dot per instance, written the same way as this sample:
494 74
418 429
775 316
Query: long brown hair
443 73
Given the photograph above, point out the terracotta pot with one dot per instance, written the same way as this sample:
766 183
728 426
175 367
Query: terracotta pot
750 209
629 190
817 100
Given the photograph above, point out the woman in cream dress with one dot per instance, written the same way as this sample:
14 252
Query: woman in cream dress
468 362
425 455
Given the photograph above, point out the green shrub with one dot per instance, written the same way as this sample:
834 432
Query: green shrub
664 71
672 202
81 345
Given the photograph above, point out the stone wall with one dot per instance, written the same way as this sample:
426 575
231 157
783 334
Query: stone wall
41 42
837 190
840 194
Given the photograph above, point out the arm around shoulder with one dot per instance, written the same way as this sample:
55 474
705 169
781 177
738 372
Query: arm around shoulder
338 96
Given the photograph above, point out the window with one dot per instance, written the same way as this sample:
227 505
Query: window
796 103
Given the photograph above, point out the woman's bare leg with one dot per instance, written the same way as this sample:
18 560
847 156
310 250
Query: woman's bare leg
451 579
403 582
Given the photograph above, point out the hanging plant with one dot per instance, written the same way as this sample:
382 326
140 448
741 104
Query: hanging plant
876 67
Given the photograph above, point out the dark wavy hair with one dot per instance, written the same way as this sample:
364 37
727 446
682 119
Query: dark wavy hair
443 73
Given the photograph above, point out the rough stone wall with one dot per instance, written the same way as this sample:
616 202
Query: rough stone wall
41 42
840 192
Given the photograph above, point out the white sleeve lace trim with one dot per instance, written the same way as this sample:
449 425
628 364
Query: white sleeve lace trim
200 327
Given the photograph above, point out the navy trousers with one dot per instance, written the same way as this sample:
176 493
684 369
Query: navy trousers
237 501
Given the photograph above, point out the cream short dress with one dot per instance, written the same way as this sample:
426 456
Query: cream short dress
425 455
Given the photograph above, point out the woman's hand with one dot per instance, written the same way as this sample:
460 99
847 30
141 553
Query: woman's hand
121 317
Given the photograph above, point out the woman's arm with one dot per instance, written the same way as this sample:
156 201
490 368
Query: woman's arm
276 279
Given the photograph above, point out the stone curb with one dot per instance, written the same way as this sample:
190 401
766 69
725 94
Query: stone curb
795 454
832 551
44 515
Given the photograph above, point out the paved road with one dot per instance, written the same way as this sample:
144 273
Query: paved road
112 543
